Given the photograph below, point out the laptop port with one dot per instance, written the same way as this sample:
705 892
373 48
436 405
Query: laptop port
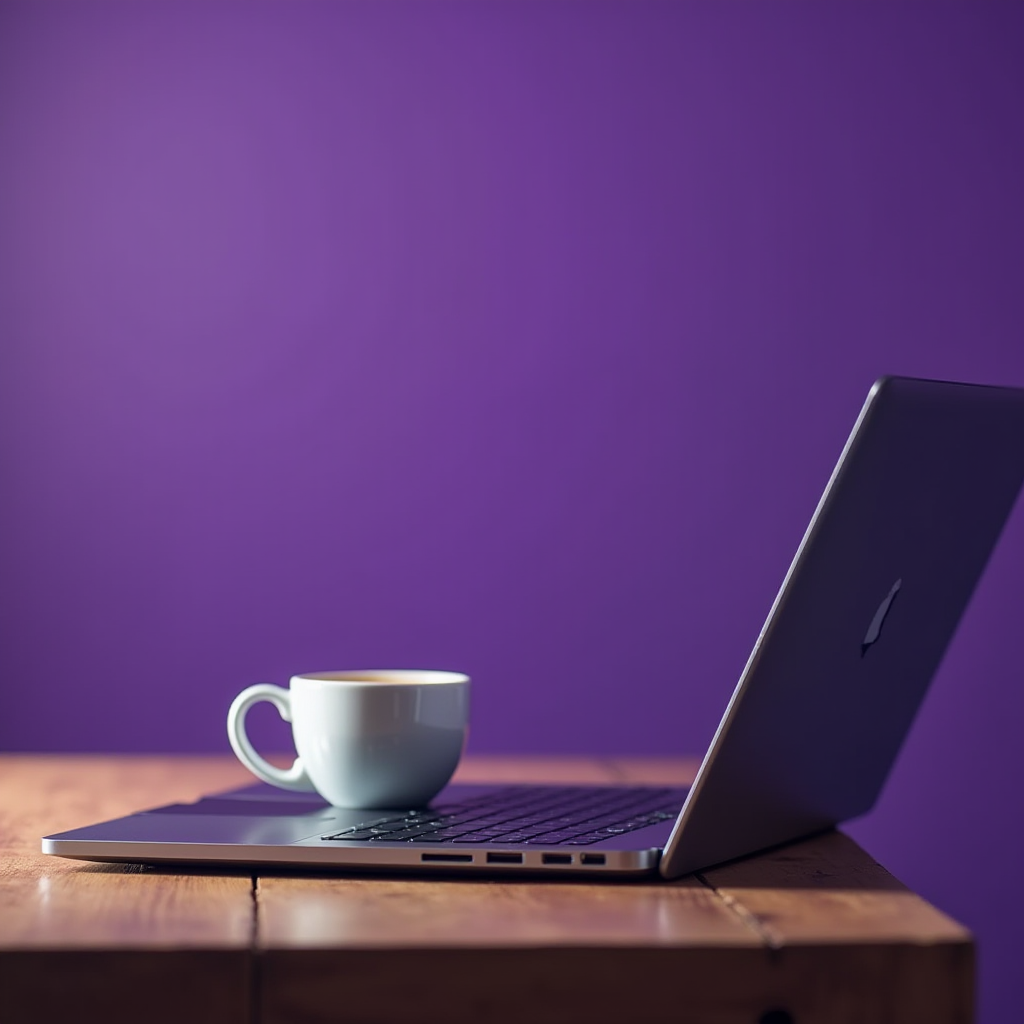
504 858
556 858
447 858
592 858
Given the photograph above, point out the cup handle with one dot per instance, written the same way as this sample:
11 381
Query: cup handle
286 778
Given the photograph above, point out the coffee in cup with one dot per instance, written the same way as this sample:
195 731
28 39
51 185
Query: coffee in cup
380 738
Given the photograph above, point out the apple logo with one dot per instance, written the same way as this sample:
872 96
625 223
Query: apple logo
875 629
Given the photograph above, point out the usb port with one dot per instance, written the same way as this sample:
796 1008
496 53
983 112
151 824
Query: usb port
504 858
556 858
592 858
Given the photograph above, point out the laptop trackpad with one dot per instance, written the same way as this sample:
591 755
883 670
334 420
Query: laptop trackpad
270 821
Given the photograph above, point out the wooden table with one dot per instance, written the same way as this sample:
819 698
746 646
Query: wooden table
814 933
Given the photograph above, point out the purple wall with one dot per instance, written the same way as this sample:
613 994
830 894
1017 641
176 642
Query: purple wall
518 338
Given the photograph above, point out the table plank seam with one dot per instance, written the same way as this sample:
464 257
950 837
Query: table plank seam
255 962
768 935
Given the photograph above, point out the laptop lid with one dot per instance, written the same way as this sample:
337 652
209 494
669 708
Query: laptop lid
878 585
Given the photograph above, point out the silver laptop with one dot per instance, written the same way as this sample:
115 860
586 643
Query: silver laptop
880 580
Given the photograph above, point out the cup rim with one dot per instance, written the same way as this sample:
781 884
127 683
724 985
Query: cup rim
390 676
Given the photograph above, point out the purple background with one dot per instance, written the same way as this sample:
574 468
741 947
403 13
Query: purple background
517 338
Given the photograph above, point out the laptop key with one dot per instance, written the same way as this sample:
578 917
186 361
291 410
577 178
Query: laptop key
397 837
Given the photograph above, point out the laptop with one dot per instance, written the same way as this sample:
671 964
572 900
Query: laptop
865 613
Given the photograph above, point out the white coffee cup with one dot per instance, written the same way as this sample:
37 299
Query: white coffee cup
380 738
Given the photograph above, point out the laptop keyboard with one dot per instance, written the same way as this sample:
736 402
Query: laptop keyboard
552 816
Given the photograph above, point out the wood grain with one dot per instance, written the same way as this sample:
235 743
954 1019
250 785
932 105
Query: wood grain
360 913
816 929
49 901
460 951
836 921
828 890
659 952
97 942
